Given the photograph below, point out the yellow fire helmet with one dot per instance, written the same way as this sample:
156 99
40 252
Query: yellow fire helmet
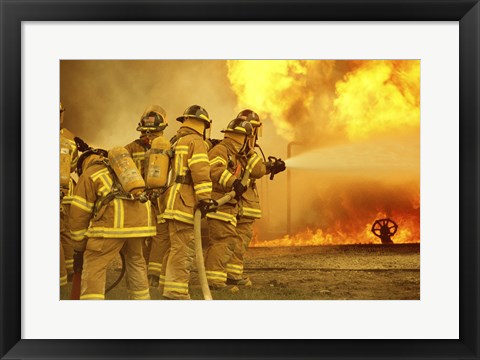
196 112
154 118
253 118
239 126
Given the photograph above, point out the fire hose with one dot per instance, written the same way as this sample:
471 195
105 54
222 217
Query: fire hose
198 239
120 277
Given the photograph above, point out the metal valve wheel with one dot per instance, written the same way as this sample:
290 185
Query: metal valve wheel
384 229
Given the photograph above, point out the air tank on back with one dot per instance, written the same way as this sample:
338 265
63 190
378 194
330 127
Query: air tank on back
65 162
127 173
157 163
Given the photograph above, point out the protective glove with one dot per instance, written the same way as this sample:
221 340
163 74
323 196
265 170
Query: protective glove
239 188
206 206
81 145
77 261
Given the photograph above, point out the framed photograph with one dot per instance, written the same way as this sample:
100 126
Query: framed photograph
368 243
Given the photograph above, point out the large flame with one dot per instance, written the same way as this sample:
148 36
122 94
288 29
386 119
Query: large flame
343 106
408 232
353 99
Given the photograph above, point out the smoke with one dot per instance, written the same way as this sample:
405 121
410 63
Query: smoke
105 98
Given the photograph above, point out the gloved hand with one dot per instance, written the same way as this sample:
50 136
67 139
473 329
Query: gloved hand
206 206
77 261
81 145
239 188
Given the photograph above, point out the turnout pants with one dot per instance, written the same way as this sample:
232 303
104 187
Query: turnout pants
160 245
178 260
65 242
99 253
234 265
63 269
222 238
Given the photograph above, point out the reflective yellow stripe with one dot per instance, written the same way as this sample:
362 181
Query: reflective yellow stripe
197 158
218 215
172 195
138 155
140 297
179 215
176 287
119 214
252 162
160 219
99 173
154 266
141 231
69 264
162 280
78 235
181 150
234 269
226 175
235 266
82 204
149 213
139 294
67 200
216 275
203 188
107 184
250 212
92 297
63 280
218 159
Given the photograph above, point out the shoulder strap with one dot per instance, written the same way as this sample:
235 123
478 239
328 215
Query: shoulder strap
143 144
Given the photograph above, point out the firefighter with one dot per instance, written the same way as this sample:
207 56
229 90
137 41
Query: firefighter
105 220
152 124
68 161
191 189
227 161
249 205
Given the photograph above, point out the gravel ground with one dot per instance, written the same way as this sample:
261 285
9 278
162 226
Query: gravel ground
348 272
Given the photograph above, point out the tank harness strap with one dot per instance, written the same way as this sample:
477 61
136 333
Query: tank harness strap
117 191
185 179
146 146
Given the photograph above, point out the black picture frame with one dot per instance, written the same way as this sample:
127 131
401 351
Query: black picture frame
13 12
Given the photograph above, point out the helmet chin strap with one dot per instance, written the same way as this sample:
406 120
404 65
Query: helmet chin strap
207 133
244 146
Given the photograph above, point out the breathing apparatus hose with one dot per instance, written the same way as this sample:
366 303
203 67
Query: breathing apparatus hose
120 277
207 295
